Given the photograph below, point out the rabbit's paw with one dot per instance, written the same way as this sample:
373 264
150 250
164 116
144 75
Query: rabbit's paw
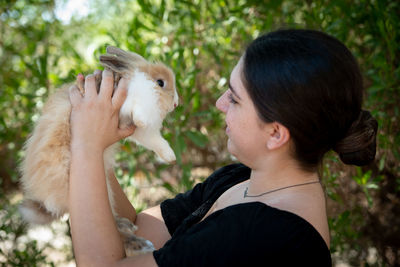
166 154
133 244
125 226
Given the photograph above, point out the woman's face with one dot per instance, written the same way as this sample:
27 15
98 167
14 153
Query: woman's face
246 132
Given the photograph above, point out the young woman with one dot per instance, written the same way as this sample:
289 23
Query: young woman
293 96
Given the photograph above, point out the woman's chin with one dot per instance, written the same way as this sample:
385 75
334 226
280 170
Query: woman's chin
231 148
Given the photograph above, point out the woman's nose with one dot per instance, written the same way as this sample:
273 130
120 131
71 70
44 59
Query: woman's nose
222 103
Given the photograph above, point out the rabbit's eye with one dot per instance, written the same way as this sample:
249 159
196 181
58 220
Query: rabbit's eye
160 83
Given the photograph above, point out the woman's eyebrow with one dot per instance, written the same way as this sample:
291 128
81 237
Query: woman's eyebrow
233 90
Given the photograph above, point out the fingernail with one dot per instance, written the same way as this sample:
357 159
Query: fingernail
107 72
80 76
123 81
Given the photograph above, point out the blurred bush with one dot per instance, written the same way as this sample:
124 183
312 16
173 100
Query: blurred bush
202 41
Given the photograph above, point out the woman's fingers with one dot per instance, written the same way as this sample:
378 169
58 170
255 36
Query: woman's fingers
106 88
118 100
97 77
95 117
90 86
74 95
107 84
120 93
80 83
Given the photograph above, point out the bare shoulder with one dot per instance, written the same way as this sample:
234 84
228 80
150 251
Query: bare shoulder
309 204
152 226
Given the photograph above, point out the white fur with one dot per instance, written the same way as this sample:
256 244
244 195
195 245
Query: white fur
141 103
142 106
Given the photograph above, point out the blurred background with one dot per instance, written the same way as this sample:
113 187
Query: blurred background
46 43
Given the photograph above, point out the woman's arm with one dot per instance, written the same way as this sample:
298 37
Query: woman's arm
122 206
150 221
95 237
94 126
152 227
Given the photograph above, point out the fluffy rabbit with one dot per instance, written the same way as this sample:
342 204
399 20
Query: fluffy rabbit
45 168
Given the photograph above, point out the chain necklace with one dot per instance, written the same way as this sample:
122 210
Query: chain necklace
246 195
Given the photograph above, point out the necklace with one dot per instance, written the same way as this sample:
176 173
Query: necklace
246 195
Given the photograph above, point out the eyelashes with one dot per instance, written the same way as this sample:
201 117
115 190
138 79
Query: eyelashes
231 99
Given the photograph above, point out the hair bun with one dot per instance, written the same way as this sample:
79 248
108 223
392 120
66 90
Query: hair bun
358 147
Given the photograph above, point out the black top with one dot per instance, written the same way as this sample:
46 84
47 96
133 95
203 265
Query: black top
247 234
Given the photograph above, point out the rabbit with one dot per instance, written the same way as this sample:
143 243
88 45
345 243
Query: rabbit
45 167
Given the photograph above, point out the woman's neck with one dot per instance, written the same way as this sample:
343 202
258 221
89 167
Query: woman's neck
277 174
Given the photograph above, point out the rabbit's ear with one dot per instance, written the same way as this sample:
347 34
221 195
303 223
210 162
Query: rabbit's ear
132 57
115 63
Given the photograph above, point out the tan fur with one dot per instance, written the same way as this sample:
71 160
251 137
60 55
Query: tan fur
45 167
49 146
160 71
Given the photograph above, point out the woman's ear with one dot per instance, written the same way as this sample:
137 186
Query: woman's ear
278 135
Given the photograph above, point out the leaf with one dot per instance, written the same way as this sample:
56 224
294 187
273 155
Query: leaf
198 138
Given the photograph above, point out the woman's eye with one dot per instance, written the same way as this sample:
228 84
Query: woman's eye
231 99
160 83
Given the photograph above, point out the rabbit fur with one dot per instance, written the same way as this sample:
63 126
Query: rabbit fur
45 167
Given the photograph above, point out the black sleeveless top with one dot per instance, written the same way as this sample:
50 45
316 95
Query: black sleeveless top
247 234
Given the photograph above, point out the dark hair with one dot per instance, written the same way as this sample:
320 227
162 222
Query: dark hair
311 83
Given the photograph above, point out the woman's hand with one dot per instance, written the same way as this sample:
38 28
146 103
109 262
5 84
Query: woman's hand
94 117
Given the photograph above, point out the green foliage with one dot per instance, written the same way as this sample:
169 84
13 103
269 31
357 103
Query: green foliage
202 41
15 250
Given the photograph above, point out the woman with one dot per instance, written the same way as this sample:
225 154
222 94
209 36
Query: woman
293 96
